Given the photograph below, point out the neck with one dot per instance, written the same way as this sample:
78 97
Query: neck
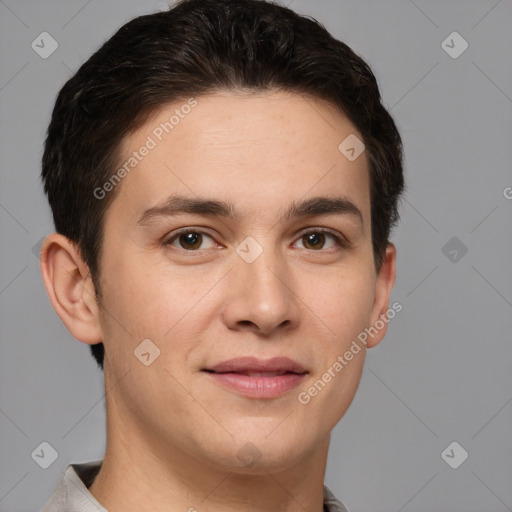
141 474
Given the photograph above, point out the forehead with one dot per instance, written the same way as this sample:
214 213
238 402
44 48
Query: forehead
253 150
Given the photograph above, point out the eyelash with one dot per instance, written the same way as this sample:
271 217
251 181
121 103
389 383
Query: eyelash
340 241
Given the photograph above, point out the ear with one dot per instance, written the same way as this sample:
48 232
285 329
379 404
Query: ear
383 287
70 288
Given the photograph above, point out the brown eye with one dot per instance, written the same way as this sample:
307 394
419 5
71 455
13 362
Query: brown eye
318 239
314 240
189 240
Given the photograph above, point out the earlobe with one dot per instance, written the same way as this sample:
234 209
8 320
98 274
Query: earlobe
383 288
70 288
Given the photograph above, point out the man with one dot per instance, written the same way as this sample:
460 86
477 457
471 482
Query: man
223 179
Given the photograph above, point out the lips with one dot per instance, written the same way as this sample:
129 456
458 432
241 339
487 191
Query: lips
259 374
248 365
258 378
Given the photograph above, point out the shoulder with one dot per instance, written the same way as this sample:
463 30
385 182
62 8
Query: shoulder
72 494
331 503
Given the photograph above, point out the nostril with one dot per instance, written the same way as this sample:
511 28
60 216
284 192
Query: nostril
246 323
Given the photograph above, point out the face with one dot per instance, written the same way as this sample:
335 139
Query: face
250 274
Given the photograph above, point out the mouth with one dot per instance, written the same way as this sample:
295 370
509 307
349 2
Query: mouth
257 378
254 373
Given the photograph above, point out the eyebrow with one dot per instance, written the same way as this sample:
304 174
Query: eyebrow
321 205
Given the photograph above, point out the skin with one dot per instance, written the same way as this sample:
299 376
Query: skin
173 435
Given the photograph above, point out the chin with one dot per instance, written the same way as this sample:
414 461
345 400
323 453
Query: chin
260 453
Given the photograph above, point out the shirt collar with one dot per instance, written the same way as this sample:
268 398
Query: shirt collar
72 494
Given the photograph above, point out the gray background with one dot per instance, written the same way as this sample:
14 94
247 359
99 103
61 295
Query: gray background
443 372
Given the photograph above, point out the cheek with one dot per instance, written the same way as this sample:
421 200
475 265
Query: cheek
169 309
342 302
139 293
156 306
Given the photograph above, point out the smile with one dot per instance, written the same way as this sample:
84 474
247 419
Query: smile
256 378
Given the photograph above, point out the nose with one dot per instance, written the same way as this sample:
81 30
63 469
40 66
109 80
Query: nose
262 297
